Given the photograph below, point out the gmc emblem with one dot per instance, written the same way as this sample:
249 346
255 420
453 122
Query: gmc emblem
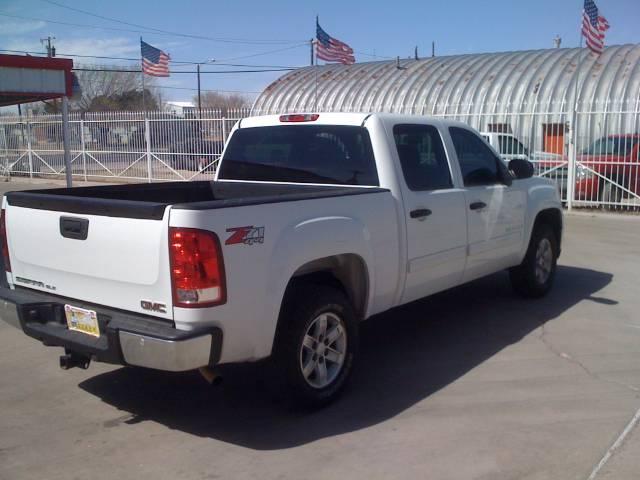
153 306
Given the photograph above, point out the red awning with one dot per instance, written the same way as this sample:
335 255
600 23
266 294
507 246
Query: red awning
25 79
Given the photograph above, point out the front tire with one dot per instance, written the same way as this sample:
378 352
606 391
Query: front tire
317 344
534 277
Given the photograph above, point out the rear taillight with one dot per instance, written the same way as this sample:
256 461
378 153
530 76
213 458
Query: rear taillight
3 238
300 117
197 269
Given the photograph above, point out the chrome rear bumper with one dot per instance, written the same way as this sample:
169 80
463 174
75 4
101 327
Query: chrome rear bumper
126 339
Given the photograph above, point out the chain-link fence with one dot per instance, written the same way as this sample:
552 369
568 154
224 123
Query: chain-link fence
595 164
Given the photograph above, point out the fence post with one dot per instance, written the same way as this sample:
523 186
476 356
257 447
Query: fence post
571 160
224 130
147 139
29 155
82 149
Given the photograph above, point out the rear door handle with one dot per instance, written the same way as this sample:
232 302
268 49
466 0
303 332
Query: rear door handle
420 213
477 205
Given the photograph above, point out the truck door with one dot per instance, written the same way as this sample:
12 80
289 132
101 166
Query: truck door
434 212
495 206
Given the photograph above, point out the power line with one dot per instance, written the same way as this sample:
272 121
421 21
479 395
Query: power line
305 44
373 55
57 22
206 90
138 59
177 34
116 70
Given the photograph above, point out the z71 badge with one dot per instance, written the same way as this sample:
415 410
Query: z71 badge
245 235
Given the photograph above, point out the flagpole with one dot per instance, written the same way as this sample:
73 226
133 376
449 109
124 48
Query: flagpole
144 107
315 50
574 131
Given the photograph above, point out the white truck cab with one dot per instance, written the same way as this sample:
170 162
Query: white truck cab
315 222
507 145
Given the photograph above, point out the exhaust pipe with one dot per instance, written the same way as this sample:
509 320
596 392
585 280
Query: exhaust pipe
211 376
72 359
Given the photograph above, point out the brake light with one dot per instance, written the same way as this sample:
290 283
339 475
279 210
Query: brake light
197 269
300 117
3 238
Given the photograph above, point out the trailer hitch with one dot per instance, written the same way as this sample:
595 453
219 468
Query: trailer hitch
72 359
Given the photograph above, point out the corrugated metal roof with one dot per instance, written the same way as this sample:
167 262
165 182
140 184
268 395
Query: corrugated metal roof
526 81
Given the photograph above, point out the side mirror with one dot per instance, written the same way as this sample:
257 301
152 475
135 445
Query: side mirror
521 168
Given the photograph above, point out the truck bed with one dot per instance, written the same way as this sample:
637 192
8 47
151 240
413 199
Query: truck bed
148 201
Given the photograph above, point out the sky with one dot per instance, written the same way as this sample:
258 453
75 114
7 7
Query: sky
277 33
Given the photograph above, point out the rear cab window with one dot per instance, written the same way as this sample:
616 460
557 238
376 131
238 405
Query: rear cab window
324 154
422 157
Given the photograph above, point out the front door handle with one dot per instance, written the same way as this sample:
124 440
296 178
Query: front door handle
477 205
420 213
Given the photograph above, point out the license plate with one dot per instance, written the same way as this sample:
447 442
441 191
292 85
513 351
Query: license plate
81 320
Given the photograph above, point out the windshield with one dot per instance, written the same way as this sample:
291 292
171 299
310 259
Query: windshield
334 154
618 146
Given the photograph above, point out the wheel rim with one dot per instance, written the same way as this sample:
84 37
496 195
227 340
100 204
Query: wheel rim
323 350
544 260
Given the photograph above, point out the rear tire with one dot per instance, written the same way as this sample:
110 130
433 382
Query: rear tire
534 277
316 345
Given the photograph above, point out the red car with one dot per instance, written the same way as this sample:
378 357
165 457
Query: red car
608 169
606 172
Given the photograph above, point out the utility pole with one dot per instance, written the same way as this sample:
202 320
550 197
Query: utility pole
51 50
415 53
199 98
433 49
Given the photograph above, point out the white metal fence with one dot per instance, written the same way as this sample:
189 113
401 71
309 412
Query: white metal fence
156 146
595 164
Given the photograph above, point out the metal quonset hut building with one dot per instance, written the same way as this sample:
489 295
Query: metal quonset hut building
529 93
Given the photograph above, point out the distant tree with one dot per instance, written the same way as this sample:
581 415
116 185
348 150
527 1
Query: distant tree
106 88
223 102
128 100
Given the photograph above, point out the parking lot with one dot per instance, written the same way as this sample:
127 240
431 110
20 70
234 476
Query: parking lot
474 383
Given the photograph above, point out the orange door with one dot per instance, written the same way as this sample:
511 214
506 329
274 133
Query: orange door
553 138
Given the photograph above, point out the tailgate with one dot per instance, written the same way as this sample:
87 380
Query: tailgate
119 262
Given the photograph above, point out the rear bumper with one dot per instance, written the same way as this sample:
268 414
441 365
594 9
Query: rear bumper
125 339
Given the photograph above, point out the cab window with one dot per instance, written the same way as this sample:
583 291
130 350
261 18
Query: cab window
479 165
422 157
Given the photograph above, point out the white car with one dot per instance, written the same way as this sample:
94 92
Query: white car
314 223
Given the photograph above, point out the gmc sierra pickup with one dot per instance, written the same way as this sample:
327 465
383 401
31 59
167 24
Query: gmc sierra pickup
313 223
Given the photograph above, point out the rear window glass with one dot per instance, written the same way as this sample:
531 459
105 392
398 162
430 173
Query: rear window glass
305 154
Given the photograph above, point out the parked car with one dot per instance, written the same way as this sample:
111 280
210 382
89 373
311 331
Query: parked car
314 223
606 171
609 169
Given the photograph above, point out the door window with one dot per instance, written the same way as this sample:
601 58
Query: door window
510 146
478 163
422 157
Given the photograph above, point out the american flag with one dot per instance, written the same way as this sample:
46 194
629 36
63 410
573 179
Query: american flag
154 61
593 26
331 49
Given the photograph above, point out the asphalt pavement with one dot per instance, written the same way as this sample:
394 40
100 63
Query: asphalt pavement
473 383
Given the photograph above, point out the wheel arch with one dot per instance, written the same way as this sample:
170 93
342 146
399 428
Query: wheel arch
553 218
345 272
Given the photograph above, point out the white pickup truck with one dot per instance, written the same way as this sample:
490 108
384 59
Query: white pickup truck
313 223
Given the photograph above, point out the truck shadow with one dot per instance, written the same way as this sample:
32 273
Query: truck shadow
406 355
